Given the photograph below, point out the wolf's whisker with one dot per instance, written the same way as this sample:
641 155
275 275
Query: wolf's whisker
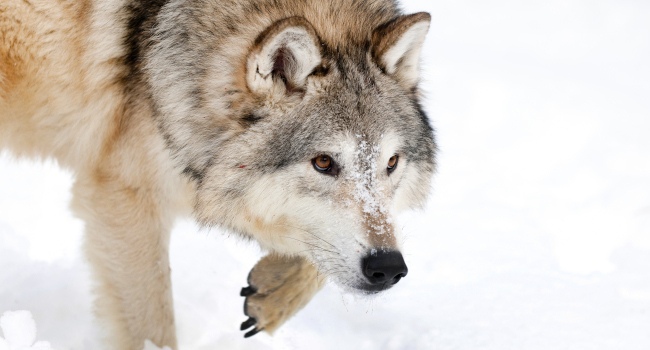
313 245
311 233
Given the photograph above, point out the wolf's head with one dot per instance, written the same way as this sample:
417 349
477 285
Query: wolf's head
311 144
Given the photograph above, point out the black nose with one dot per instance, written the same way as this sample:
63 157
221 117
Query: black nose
384 267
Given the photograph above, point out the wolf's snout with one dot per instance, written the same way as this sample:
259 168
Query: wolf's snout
384 268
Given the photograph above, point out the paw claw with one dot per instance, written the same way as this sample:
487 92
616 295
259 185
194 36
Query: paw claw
278 286
248 323
248 291
253 332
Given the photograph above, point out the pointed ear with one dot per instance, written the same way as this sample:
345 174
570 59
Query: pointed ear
396 47
283 56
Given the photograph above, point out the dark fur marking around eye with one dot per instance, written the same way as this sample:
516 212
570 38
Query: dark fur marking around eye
333 169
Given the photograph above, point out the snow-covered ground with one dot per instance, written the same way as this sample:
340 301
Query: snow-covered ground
537 236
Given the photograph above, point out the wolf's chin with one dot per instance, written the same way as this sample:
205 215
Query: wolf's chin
359 287
372 288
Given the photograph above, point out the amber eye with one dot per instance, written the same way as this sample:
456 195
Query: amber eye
392 163
322 162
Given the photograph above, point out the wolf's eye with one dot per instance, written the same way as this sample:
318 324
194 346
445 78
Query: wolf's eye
392 163
322 163
325 165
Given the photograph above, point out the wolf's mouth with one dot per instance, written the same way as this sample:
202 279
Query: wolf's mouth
376 288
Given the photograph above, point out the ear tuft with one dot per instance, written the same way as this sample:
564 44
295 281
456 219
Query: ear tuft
283 56
397 46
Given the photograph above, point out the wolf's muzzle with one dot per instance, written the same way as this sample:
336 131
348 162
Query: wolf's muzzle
382 270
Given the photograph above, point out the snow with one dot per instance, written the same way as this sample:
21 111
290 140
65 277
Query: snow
148 345
537 235
19 330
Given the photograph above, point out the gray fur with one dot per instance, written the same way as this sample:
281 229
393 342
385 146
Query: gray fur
194 68
221 108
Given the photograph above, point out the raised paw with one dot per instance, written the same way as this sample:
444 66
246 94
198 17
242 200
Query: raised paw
279 286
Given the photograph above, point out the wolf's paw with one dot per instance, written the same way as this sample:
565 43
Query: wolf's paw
278 287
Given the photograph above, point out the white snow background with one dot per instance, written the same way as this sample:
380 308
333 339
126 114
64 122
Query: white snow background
537 235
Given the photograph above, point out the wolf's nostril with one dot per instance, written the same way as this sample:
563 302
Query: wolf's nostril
397 278
384 268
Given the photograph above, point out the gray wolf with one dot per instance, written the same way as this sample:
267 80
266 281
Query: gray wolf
294 123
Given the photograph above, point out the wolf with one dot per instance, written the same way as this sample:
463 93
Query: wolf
294 123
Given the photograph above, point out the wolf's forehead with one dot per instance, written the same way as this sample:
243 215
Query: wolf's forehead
364 149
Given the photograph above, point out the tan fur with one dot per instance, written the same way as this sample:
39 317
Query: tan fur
128 219
63 96
50 106
283 285
386 36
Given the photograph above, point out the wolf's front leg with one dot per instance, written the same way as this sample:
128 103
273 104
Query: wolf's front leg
279 286
127 237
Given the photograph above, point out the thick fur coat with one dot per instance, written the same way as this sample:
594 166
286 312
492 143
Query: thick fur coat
294 123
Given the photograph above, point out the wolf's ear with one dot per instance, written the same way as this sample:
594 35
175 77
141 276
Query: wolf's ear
283 56
396 47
